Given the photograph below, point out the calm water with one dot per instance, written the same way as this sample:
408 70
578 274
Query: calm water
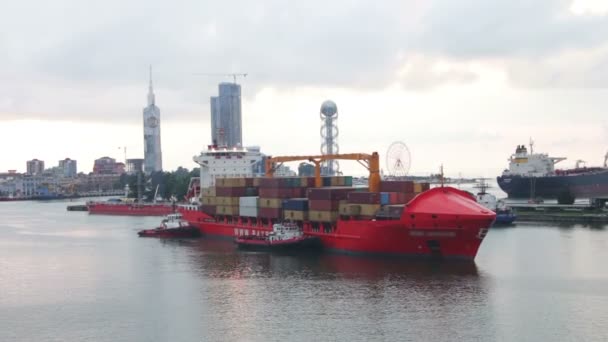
68 276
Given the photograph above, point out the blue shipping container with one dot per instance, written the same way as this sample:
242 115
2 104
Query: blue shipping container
385 198
299 204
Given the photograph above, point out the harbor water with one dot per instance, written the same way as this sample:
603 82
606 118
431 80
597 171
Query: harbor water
71 276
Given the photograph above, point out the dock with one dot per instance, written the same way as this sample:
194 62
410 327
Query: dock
552 212
80 207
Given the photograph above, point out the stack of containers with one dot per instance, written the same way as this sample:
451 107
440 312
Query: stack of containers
295 209
208 200
337 181
324 203
273 191
249 206
228 194
363 204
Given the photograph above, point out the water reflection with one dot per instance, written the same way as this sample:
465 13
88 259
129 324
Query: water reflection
263 292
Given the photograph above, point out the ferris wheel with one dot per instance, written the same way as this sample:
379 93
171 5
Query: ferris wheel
398 159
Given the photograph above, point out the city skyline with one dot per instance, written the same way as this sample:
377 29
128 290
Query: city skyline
415 75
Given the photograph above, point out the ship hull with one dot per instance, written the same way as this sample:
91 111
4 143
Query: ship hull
589 185
129 209
429 228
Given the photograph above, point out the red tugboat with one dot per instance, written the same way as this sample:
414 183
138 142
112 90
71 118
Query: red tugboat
283 235
441 222
172 226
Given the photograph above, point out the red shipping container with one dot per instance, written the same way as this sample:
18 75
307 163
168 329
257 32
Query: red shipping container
208 209
281 192
397 186
323 205
271 213
330 194
230 192
364 197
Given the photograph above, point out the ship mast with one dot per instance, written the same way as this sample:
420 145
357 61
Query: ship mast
531 146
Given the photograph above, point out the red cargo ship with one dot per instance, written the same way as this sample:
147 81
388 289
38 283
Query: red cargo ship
129 209
441 222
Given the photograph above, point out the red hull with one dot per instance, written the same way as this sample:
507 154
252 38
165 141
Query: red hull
442 222
170 233
255 241
130 209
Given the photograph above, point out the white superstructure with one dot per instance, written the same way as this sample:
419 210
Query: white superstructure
531 164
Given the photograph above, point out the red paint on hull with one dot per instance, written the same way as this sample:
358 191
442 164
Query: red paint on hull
129 209
441 222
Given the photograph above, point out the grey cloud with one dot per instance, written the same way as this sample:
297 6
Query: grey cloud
280 44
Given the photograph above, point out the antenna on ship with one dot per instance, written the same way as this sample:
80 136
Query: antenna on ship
441 177
531 146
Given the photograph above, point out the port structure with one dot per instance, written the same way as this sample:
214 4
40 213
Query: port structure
329 136
370 161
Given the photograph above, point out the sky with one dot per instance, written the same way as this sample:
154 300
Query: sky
461 83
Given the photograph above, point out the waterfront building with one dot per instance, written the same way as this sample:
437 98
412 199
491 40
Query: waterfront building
226 123
68 167
35 167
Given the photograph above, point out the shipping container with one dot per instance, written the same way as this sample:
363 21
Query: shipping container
324 205
323 216
227 210
275 203
208 209
297 215
397 186
230 191
282 192
250 201
205 200
248 211
391 211
385 198
426 186
334 193
230 201
348 180
271 213
361 197
369 209
210 192
299 204
348 209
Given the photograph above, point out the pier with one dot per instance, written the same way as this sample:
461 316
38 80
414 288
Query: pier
592 212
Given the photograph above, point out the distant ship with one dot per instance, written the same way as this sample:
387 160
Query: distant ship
533 175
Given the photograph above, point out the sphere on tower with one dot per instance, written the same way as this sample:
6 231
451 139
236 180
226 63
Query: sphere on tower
329 108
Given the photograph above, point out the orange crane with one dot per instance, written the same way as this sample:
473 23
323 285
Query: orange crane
369 161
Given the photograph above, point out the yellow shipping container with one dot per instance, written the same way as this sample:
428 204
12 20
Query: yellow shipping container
369 209
209 200
295 215
348 209
227 201
417 188
227 210
209 192
323 216
271 203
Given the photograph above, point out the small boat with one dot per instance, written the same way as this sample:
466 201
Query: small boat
504 214
283 236
172 226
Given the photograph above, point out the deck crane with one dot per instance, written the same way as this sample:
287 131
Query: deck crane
233 75
369 161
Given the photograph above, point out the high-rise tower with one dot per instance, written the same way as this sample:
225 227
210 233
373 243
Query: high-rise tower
329 136
153 160
226 126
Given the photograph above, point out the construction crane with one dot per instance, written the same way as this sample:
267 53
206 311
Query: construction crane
370 161
233 75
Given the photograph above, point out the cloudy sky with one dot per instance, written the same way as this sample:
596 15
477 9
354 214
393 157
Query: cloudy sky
460 82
